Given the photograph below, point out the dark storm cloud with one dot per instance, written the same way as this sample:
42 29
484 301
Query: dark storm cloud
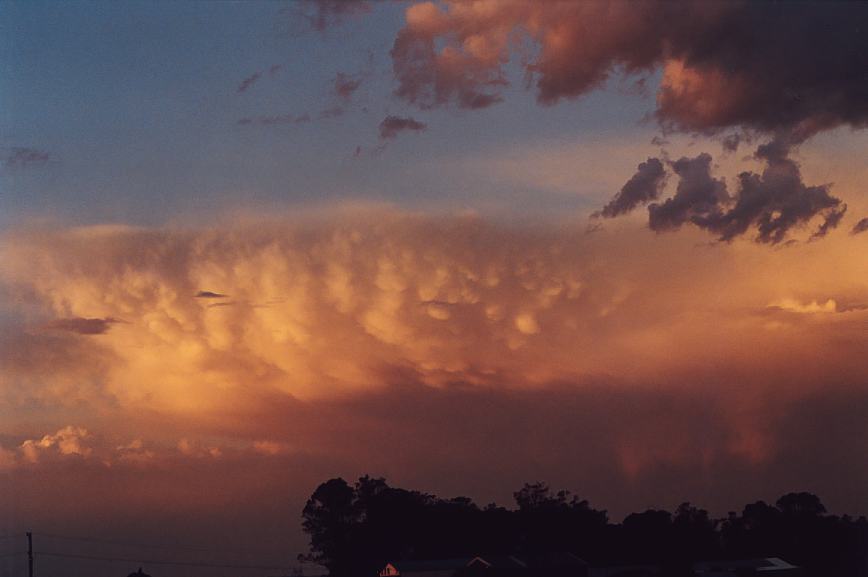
24 157
731 143
643 187
772 203
760 65
777 201
83 326
860 227
391 126
781 70
697 198
831 222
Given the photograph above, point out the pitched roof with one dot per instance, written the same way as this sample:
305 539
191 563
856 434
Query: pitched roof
432 564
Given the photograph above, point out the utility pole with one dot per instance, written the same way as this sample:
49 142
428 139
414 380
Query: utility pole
29 554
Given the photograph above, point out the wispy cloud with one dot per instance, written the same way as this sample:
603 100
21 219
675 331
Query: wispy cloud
209 295
860 227
249 81
82 325
24 157
392 126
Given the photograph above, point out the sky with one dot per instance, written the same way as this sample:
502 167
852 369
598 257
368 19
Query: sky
247 247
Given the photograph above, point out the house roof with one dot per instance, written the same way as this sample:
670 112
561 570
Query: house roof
762 565
543 561
554 560
431 564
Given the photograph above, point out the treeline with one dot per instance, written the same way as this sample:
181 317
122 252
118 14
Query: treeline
356 529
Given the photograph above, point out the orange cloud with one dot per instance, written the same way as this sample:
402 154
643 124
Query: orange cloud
328 308
69 440
411 345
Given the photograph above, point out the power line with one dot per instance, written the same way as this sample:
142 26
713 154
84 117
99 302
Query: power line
12 554
163 562
145 545
135 545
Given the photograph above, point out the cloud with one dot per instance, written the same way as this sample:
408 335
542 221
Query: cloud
249 81
24 157
209 295
391 126
795 306
773 203
860 226
324 14
133 452
326 307
748 64
69 440
643 187
83 326
451 354
697 198
345 86
190 448
245 84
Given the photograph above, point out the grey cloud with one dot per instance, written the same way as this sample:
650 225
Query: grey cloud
860 227
209 295
643 187
391 126
23 157
245 84
345 85
324 14
83 326
774 202
698 197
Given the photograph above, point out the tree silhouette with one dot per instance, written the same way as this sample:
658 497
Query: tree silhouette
356 530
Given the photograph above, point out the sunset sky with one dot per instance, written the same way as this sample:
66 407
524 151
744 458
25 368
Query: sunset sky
246 247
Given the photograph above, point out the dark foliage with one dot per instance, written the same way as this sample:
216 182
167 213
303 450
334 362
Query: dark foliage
357 530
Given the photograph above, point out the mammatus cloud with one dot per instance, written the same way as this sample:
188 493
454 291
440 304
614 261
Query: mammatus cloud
328 307
391 126
401 345
643 187
24 157
772 203
860 226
